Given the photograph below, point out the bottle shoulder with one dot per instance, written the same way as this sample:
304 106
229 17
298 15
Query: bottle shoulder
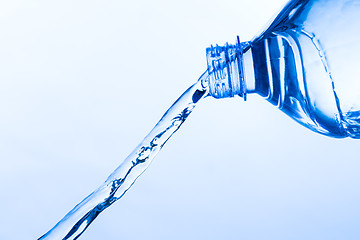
306 64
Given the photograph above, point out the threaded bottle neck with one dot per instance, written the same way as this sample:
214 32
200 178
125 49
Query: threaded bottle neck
226 70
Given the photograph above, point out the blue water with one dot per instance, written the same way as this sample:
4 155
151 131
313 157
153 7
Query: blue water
117 184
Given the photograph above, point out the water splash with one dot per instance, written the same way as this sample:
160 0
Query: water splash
82 215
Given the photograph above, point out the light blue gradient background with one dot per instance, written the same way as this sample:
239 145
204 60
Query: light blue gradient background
82 82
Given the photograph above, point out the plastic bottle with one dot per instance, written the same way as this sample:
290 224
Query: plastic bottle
307 63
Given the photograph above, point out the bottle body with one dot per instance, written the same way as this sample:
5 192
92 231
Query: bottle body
307 63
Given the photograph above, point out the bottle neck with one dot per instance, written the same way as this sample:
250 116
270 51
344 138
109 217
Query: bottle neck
231 70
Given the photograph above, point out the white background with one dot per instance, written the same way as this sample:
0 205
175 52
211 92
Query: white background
82 82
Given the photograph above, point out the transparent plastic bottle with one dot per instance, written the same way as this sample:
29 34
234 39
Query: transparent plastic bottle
307 63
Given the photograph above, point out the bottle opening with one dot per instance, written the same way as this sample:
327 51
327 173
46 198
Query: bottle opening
225 68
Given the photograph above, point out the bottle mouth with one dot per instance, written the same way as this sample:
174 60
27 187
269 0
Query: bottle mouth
225 69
